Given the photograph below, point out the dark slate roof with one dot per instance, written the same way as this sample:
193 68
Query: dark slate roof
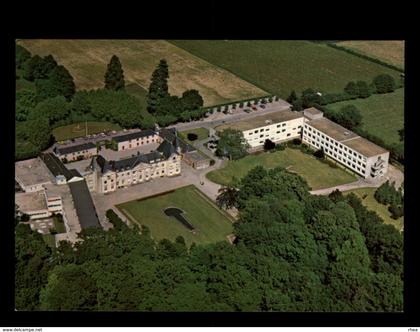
129 163
171 136
55 165
168 134
75 172
74 148
130 136
166 148
83 203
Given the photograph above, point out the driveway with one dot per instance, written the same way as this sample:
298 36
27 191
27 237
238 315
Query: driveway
393 174
188 176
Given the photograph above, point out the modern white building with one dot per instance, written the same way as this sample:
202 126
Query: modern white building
39 204
277 127
340 144
347 148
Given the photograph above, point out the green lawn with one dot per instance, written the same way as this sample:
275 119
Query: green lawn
59 225
202 133
279 66
383 115
211 224
317 174
79 129
370 202
49 239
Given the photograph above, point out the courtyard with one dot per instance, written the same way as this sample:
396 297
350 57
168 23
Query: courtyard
209 223
317 174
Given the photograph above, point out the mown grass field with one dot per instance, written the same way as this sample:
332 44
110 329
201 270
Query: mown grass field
211 224
389 51
87 60
370 202
383 115
317 174
202 133
281 66
79 129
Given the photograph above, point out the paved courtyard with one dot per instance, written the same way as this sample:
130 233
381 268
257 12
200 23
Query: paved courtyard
109 154
189 176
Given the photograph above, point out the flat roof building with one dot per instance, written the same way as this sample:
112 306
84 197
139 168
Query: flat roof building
277 127
346 147
32 174
261 121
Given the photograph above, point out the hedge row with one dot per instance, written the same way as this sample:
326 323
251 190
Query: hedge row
239 101
115 220
366 57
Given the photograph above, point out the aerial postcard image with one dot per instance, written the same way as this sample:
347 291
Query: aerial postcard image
209 175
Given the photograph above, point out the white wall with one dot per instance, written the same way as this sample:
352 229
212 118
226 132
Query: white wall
275 132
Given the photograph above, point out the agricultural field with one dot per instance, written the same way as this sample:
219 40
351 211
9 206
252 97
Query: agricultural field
87 60
210 223
368 200
202 133
317 174
79 129
383 115
281 66
389 51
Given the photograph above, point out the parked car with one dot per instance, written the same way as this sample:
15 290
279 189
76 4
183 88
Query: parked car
262 106
254 108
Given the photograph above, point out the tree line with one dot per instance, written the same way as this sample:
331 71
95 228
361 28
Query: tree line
167 108
55 102
349 116
293 252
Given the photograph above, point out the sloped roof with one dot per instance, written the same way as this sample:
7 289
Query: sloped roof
74 148
166 148
130 136
83 203
55 165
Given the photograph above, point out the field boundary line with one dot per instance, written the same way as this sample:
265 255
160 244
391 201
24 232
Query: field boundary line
364 56
239 76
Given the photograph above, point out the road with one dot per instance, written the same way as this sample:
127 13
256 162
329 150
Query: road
219 118
393 175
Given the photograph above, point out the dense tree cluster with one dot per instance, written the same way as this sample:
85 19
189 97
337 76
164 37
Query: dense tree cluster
170 109
115 106
348 116
387 194
114 76
232 144
293 252
22 55
384 83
